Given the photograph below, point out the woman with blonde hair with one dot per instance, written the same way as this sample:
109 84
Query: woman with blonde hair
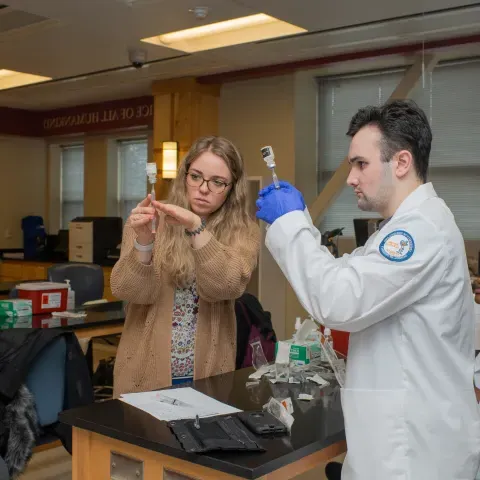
181 281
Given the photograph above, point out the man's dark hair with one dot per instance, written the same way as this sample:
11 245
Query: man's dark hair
404 126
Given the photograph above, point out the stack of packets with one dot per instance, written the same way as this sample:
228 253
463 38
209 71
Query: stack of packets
310 343
297 360
304 346
12 309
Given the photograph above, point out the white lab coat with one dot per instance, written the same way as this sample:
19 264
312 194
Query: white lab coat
477 384
477 371
409 404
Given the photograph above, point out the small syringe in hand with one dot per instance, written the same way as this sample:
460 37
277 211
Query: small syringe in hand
269 158
152 179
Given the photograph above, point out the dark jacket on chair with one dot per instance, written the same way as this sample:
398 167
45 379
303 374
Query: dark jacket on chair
253 322
18 351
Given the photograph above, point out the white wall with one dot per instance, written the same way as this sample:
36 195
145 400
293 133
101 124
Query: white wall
253 114
23 177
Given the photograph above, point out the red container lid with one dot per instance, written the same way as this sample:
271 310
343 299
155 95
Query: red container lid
41 286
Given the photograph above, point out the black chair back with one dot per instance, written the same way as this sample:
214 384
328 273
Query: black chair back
86 280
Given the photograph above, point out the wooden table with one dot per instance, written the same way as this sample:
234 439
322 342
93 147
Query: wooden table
112 436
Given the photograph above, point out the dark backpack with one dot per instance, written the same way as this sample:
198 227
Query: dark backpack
253 322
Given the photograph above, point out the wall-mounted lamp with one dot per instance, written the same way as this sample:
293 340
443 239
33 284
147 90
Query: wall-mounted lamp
169 159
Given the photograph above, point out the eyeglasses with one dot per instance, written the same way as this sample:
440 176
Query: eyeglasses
214 185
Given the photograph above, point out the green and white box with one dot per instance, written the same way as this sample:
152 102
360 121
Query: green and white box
303 353
15 307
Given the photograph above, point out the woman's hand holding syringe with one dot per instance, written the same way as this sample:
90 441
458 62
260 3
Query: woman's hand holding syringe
152 199
142 220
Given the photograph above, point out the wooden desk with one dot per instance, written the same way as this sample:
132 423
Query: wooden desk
17 271
113 432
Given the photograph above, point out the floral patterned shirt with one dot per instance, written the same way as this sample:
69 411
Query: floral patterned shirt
184 326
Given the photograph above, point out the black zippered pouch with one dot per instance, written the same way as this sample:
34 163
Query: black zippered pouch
214 433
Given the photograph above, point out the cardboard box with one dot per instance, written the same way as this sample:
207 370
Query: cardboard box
15 307
302 354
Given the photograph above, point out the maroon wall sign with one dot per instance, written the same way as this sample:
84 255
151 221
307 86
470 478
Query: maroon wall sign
92 118
97 117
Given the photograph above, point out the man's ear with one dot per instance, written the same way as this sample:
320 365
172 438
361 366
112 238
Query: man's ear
404 162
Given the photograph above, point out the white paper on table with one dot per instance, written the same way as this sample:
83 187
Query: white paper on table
188 403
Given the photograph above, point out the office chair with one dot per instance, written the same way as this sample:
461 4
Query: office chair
86 280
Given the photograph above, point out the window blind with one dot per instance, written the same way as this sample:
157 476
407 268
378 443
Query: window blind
72 165
132 156
449 98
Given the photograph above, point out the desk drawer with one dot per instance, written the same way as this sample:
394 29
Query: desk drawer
85 248
80 253
80 257
80 232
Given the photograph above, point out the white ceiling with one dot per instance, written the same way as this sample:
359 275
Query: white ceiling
80 38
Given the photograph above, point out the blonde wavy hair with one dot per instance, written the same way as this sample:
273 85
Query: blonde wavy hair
228 224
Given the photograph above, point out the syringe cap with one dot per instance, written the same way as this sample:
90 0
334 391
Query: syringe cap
151 168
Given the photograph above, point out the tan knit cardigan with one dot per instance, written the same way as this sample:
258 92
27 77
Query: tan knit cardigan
222 272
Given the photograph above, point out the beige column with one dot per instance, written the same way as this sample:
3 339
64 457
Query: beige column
95 176
183 111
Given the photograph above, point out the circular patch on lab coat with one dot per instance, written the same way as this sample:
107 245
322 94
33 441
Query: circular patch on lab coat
397 246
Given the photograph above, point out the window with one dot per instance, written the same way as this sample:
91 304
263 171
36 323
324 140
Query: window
339 99
449 98
132 159
72 183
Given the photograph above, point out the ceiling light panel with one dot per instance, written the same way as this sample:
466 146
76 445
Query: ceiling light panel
11 79
251 28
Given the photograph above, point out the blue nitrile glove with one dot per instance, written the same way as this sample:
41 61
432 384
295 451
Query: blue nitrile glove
272 203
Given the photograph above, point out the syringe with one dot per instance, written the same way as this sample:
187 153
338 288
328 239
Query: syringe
269 158
152 179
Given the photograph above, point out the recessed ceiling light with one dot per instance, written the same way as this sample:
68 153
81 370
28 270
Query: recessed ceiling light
11 79
222 34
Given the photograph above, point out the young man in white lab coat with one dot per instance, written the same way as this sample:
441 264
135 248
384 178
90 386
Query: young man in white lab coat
408 402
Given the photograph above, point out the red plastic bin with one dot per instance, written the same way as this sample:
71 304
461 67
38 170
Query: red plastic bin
46 297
